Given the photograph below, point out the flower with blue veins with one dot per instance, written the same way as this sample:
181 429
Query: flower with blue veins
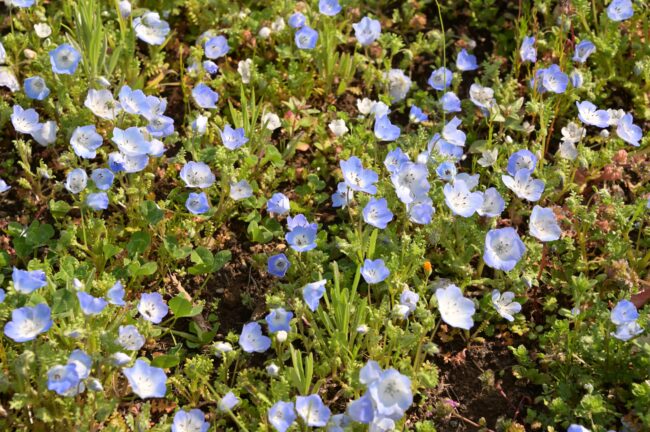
313 292
493 203
278 319
130 338
150 28
25 120
297 20
28 281
628 131
278 265
624 312
216 47
505 304
131 142
410 181
115 294
64 59
281 415
440 78
197 175
357 177
450 102
394 159
466 61
133 101
28 322
461 200
524 185
160 127
197 203
85 141
205 97
583 50
76 180
61 379
240 190
306 38
367 30
152 307
329 7
228 402
251 338
190 421
391 394
620 10
301 239
343 196
90 305
312 409
231 138
550 79
589 114
521 159
503 249
446 171
455 309
527 51
36 88
146 381
377 213
103 178
416 115
278 204
97 201
374 271
543 224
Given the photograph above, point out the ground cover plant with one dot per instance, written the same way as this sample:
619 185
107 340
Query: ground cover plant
334 215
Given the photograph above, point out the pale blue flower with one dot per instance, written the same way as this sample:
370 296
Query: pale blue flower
76 180
85 141
461 200
624 312
627 331
232 139
240 190
152 307
197 203
394 159
216 47
82 363
28 281
377 213
455 309
61 379
278 320
131 141
210 67
358 178
528 52
503 249
28 322
190 421
4 187
21 3
160 127
278 265
466 61
628 131
367 30
543 224
362 410
410 181
25 120
90 305
133 101
522 159
313 292
205 97
450 102
452 134
306 38
200 125
150 28
228 402
551 79
416 115
370 372
440 78
64 59
3 295
385 130
281 415
115 294
421 210
130 164
130 338
524 185
409 299
493 203
505 304
620 10
297 20
146 381
278 204
342 196
36 88
251 338
102 104
329 7
583 50
120 359
446 171
374 271
103 178
301 239
589 114
391 394
312 409
576 78
97 201
197 174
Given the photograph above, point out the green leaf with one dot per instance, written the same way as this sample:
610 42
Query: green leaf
148 269
139 243
182 307
151 212
166 361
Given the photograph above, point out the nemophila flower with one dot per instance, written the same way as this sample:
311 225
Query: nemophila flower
416 115
421 210
197 174
577 428
157 107
455 309
313 292
450 102
231 138
97 201
46 134
493 203
3 54
85 141
297 20
197 203
61 379
216 47
394 159
200 124
357 177
446 171
150 28
362 410
133 101
524 185
227 402
103 178
271 121
391 394
306 38
398 84
20 3
264 33
374 271
343 195
120 359
301 239
377 213
576 78
28 322
505 304
624 312
76 180
300 221
278 265
272 369
409 299
461 200
543 224
210 67
589 114
4 187
627 331
312 409
554 80
281 415
90 305
244 70
8 79
367 30
125 8
452 134
338 127
240 190
160 127
466 61
628 131
251 338
567 150
503 249
205 97
528 52
115 294
36 88
131 141
410 181
440 78
339 423
130 338
583 50
152 307
573 132
615 115
278 319
620 10
64 59
521 159
482 97
82 363
278 204
190 421
28 281
370 372
3 295
25 120
146 381
130 164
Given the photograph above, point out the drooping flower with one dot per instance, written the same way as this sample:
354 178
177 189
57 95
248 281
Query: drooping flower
624 312
231 138
505 304
197 203
200 125
46 134
216 47
543 224
278 265
503 249
367 30
28 322
281 415
524 185
146 381
450 102
421 210
103 178
312 410
522 159
440 78
120 359
461 200
210 67
455 309
204 96
4 187
583 50
76 180
26 281
251 338
577 428
36 88
190 421
90 305
528 52
385 130
64 59
329 7
306 38
374 271
313 292
8 79
97 201
627 331
152 307
278 320
576 78
628 131
466 61
391 394
150 28
130 338
620 10
228 402
589 114
297 20
358 178
197 174
25 120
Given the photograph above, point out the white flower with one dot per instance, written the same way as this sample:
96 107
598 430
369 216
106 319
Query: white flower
460 200
221 348
102 104
543 224
365 105
271 121
272 369
614 116
42 30
398 84
281 336
362 329
567 150
264 33
46 135
573 132
8 79
455 310
488 157
338 127
244 69
505 304
278 25
482 97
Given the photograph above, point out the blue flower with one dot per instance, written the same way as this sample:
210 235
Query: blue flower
133 101
190 421
421 211
466 61
278 320
152 307
297 20
210 67
231 138
450 102
362 410
145 380
115 294
576 78
503 249
455 309
394 159
357 178
90 305
160 127
385 130
446 171
440 78
583 50
36 88
342 196
554 80
367 30
82 363
416 115
589 114
216 47
85 141
278 265
452 134
522 159
524 185
197 174
26 281
278 204
627 331
150 28
528 52
76 180
493 203
28 322
21 3
3 295
301 239
306 38
628 131
61 379
374 271
130 338
624 312
251 338
204 96
103 178
97 201
197 203
505 305
461 200
329 7
25 120
240 190
312 409
131 141
281 415
228 402
409 300
64 59
543 224
410 181
4 187
313 292
377 213
620 10
391 394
